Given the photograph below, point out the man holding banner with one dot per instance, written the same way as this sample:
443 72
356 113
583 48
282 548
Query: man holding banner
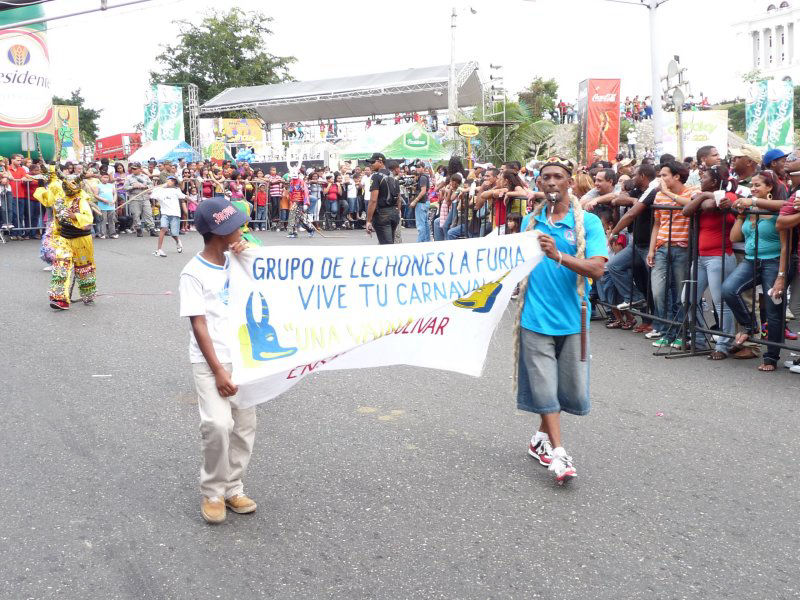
551 338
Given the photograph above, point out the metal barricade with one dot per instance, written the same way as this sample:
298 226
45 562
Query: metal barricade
23 217
685 322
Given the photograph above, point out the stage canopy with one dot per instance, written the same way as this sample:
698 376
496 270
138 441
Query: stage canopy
410 90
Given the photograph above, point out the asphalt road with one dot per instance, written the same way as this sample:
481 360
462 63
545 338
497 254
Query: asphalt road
392 483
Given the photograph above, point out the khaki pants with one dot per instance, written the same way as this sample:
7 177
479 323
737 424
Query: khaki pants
227 436
142 213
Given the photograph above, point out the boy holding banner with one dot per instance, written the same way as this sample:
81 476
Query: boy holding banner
551 341
227 432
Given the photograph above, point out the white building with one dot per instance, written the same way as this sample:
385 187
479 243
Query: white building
769 38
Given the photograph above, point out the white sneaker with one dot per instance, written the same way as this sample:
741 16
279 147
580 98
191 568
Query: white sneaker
791 363
561 466
160 253
180 247
653 335
541 450
794 369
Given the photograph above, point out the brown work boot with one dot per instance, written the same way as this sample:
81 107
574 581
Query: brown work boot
240 504
213 509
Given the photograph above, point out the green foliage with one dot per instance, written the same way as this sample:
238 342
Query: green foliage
736 118
225 50
624 127
754 75
540 96
796 105
87 117
523 139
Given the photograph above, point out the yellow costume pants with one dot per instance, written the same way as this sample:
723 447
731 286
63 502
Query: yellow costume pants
70 255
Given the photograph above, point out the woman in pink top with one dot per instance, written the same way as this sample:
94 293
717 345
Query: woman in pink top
235 187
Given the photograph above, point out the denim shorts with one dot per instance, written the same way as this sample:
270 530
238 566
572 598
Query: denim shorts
551 376
172 223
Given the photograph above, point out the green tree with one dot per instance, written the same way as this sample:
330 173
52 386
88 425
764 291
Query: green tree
526 137
87 117
754 75
225 50
736 118
540 96
797 105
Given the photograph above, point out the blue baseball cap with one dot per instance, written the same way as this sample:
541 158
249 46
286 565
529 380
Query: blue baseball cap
218 216
773 155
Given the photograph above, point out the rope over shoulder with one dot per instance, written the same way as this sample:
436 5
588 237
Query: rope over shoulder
580 288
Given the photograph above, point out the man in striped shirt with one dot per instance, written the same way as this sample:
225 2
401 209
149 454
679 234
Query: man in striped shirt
669 250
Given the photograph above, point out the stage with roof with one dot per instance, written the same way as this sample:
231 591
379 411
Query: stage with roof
409 90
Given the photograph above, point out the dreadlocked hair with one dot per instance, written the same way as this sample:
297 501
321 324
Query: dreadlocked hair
580 237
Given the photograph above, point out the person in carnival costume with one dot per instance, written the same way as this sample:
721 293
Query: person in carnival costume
70 241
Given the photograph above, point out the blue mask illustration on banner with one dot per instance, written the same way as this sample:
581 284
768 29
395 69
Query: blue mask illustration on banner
261 340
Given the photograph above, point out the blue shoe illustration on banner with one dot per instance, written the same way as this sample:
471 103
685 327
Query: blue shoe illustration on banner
262 339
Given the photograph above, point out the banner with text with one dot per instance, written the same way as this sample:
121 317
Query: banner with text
780 115
163 114
700 128
769 114
26 100
297 310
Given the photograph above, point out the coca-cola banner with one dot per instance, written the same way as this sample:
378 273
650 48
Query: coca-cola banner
602 119
770 114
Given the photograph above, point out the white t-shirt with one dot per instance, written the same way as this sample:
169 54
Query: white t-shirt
203 290
169 200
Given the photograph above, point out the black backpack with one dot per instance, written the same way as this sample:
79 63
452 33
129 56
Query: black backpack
393 187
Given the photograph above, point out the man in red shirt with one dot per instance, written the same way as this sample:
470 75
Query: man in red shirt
20 205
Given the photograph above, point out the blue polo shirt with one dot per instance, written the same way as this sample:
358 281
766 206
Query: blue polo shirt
552 305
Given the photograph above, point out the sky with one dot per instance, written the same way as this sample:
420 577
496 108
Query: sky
109 55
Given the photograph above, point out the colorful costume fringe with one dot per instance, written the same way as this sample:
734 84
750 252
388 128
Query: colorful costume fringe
70 239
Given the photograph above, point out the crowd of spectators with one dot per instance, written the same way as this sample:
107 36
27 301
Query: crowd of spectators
738 216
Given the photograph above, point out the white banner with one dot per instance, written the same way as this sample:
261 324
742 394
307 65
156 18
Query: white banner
700 128
297 310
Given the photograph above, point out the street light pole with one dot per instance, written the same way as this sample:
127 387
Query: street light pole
655 99
452 87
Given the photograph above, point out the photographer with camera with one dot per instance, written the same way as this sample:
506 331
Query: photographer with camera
383 211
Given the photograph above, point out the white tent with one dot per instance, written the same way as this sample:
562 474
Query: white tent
410 90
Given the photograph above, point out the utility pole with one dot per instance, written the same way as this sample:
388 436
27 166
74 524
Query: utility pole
675 85
452 85
655 80
500 90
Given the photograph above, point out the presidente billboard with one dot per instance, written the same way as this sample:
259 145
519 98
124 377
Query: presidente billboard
26 101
